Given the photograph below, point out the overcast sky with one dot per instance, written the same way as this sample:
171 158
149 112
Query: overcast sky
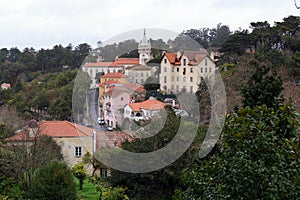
44 23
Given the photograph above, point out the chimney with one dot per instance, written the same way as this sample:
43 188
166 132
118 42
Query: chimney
178 55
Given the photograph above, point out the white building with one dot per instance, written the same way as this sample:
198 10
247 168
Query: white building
143 110
183 71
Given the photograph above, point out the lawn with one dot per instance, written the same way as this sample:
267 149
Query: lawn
88 190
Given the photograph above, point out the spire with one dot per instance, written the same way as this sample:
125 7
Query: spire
144 41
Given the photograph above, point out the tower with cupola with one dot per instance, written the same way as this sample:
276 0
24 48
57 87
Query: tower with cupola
144 50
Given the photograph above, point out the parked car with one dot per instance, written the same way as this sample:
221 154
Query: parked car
109 128
101 122
181 113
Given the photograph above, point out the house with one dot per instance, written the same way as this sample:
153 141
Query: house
143 110
114 76
183 71
75 140
116 97
139 73
105 67
5 86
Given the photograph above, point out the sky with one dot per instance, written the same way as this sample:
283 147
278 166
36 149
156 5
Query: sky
45 23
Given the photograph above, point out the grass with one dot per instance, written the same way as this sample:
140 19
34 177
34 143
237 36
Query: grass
88 190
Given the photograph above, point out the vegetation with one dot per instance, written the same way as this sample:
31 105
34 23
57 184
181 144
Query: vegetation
79 172
54 181
256 157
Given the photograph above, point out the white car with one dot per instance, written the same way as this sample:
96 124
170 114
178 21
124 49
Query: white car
180 112
109 128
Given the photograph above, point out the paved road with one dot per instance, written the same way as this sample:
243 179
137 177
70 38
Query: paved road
93 109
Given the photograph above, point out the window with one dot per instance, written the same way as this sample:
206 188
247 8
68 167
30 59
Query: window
191 79
96 71
165 79
183 71
205 69
191 70
177 78
142 81
177 69
142 74
209 69
78 151
206 62
172 69
184 62
91 72
108 71
172 87
165 60
122 98
201 70
136 81
147 74
177 88
165 69
114 71
191 89
172 78
103 172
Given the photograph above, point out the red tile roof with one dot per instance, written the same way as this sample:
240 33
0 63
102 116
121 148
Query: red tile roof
114 75
55 129
127 61
102 64
150 104
63 129
111 139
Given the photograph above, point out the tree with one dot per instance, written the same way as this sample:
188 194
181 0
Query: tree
159 184
80 173
54 181
257 157
263 87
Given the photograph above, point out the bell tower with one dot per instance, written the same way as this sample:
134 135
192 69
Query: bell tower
144 50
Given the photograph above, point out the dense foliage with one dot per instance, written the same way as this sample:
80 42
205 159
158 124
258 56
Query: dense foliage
257 158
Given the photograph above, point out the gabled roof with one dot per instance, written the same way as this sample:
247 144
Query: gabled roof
150 104
138 67
114 75
195 57
102 64
58 129
127 61
117 89
63 129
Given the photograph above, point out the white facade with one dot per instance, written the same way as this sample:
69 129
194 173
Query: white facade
183 72
93 68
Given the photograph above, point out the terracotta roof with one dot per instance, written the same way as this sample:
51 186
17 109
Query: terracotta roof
150 104
138 67
5 85
128 61
22 135
195 57
117 89
108 83
102 64
55 129
63 129
111 139
114 75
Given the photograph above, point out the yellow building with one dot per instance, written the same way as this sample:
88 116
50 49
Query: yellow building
183 71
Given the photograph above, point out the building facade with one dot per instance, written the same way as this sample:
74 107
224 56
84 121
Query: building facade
182 72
